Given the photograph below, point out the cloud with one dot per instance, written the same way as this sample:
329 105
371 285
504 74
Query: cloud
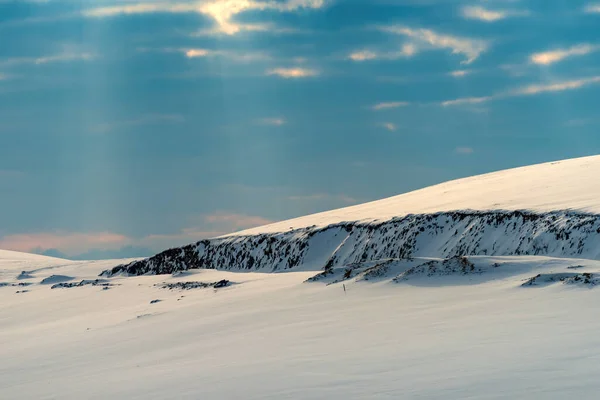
389 105
528 90
466 100
231 55
141 120
464 150
551 57
461 73
101 254
193 53
389 126
556 87
592 9
408 50
74 244
261 27
221 11
487 15
295 72
272 121
61 57
470 48
363 55
67 242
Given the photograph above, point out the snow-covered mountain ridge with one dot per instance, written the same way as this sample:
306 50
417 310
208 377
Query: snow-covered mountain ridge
550 209
442 235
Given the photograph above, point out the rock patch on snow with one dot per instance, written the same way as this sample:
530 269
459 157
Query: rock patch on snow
85 282
194 285
567 278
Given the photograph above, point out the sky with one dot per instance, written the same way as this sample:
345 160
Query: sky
128 127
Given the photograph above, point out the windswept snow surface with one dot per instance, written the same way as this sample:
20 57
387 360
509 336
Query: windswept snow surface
562 185
417 329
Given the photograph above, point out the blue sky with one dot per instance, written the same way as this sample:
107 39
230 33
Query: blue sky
127 127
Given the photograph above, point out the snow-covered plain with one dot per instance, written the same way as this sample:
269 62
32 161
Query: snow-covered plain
274 336
435 306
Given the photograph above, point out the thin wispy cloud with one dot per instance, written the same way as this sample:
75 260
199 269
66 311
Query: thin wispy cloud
464 150
470 48
292 73
389 105
141 120
257 27
389 126
272 121
66 241
192 53
592 8
231 55
556 87
363 55
408 50
466 100
72 243
528 90
55 58
554 56
461 73
488 15
221 11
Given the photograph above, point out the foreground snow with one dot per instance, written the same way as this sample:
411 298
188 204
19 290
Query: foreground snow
441 332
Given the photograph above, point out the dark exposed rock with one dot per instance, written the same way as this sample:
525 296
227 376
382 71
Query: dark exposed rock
194 285
568 278
85 282
21 284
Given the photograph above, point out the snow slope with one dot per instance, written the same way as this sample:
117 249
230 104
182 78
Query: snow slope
422 329
549 209
562 185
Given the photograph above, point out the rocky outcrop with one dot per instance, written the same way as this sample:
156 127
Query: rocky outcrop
442 235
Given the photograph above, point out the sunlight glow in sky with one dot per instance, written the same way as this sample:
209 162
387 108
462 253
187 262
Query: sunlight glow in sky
130 126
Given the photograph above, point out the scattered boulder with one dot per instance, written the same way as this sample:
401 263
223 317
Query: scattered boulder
567 278
195 285
85 282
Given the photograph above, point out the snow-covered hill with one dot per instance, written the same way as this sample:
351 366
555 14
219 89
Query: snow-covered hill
561 185
548 209
409 297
